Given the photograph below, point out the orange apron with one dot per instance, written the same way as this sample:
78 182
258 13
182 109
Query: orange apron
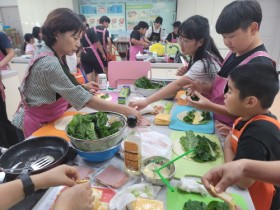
261 193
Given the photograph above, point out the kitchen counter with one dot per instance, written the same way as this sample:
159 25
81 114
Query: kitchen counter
21 59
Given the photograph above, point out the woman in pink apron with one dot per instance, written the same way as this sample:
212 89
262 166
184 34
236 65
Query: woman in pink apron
49 87
137 43
6 51
173 36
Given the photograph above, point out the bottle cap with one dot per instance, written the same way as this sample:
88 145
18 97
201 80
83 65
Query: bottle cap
131 121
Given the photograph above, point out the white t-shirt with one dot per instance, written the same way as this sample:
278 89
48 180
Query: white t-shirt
29 48
197 71
150 30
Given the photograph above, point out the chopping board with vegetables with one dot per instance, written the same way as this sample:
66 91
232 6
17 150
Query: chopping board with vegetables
188 166
177 199
206 126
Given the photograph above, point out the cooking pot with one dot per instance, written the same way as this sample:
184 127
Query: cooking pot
32 150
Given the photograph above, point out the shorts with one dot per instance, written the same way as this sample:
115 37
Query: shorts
92 64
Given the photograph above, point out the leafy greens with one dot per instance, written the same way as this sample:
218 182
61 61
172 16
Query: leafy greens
92 126
204 149
199 205
206 117
145 83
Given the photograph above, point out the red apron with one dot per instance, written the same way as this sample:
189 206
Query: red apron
261 193
134 50
36 116
6 67
220 83
93 47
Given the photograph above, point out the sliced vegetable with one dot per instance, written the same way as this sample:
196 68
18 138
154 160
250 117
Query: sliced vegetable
191 117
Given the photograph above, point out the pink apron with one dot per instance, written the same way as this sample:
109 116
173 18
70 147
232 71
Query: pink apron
6 67
220 84
93 47
173 40
134 50
103 36
36 116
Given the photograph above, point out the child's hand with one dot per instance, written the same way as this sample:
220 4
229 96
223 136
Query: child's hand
202 104
181 71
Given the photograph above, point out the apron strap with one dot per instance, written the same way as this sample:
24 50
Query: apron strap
32 61
93 47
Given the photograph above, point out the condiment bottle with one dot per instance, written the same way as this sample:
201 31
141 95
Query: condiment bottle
132 148
102 81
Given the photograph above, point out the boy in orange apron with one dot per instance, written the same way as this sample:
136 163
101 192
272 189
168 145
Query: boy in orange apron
256 133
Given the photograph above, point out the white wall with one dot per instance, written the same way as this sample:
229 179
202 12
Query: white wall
33 12
269 31
5 3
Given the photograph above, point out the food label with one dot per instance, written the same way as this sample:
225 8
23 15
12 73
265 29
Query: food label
131 156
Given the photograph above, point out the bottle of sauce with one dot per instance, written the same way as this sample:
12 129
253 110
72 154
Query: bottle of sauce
132 148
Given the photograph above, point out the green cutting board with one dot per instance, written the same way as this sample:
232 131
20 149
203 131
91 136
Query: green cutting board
188 167
177 199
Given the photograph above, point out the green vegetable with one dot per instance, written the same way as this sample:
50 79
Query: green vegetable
145 83
92 126
189 141
194 205
194 98
216 205
199 205
105 96
82 127
191 115
136 193
204 149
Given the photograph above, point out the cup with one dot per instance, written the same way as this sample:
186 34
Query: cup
102 81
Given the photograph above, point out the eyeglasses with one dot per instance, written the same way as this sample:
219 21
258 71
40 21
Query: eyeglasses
185 40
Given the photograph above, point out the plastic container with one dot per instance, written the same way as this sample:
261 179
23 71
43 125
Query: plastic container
102 81
132 148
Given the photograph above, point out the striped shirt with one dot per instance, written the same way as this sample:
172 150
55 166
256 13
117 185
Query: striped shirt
45 82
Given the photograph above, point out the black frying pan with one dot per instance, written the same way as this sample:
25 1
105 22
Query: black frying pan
34 149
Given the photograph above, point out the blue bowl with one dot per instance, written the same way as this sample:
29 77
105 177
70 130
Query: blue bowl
98 156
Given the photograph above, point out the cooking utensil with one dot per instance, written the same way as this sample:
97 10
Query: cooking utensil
150 176
41 163
165 181
34 149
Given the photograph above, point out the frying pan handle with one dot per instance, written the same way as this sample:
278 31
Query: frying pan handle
3 150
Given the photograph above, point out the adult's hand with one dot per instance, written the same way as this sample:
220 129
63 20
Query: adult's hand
92 86
76 197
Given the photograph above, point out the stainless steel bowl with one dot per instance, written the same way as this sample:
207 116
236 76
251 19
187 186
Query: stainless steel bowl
102 143
153 177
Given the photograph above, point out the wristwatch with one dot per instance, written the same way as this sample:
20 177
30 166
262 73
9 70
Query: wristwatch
28 186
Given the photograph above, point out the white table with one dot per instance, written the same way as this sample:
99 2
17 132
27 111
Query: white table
50 195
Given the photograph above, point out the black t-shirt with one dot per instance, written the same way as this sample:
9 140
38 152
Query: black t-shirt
169 36
92 36
136 35
260 141
234 61
100 34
